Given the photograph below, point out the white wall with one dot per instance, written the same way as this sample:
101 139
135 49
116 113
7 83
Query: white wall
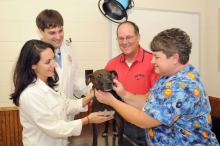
90 33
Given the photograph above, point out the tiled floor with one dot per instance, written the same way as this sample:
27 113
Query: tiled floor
85 139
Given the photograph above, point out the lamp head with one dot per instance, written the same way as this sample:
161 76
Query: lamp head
115 10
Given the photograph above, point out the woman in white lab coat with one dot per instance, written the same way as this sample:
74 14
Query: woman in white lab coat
43 110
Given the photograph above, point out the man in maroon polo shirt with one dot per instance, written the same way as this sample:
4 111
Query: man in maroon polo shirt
135 72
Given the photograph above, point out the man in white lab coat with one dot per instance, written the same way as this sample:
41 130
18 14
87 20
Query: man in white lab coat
50 24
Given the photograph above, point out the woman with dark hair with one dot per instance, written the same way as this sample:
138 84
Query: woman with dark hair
43 110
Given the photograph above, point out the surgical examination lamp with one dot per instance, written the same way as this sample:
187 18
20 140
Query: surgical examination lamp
115 10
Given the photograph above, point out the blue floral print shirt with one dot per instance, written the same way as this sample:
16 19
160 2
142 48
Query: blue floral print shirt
181 104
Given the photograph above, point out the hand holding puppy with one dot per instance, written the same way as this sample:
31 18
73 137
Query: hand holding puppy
119 88
104 97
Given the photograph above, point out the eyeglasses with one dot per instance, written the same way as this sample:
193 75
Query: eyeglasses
127 38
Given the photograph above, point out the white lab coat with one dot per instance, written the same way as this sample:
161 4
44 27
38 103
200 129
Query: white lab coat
43 115
70 80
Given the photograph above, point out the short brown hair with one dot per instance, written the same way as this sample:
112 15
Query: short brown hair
49 19
172 41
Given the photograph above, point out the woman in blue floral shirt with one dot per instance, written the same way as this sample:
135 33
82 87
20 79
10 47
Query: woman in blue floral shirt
176 111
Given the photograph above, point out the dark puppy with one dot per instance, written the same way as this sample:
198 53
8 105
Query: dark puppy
103 80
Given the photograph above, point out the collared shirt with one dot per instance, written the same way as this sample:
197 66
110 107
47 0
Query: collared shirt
43 115
139 77
58 57
181 104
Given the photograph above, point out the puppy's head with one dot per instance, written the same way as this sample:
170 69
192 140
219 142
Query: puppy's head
102 79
